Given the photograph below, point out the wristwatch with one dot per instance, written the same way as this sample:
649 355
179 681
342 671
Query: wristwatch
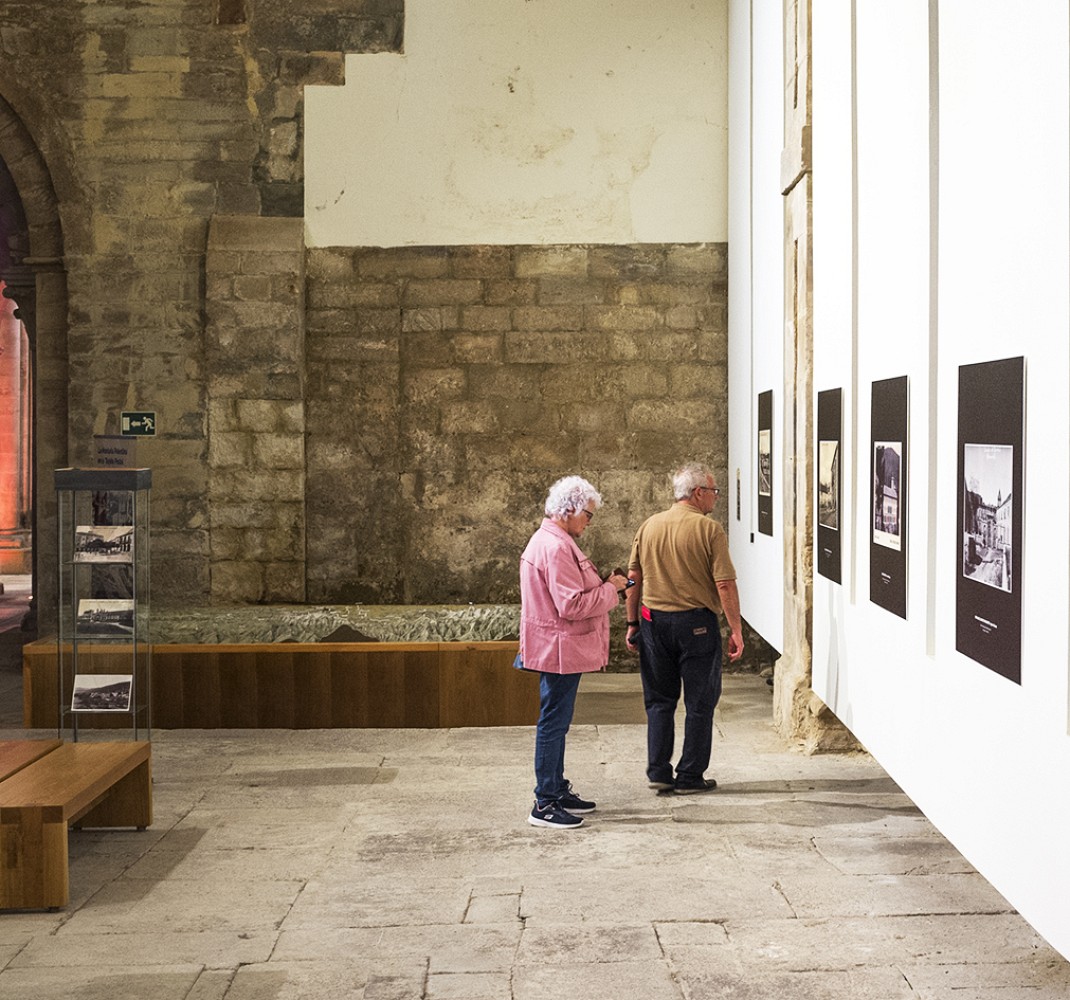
633 624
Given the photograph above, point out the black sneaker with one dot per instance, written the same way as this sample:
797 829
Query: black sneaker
664 785
571 802
553 815
690 786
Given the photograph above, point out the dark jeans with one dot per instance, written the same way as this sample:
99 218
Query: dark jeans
557 701
680 646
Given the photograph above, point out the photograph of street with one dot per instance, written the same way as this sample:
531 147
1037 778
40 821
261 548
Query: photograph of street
987 515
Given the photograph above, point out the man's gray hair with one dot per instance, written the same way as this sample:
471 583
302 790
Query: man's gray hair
687 477
569 495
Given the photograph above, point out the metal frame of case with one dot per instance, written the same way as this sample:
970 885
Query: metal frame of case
93 638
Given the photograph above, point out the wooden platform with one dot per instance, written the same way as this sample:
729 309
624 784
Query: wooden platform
373 685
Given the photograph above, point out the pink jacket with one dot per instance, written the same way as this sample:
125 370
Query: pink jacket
564 605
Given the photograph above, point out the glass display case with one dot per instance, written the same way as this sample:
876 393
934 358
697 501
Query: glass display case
104 653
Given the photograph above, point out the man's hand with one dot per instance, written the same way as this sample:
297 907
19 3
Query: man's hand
729 595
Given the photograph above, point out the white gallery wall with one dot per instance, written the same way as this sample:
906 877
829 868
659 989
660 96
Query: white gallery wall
755 303
941 223
511 122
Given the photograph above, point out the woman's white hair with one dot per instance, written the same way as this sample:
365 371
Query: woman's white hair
687 478
569 495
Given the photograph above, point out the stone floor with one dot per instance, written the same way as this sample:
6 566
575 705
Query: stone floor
396 865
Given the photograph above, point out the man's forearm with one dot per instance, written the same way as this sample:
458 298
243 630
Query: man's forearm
729 594
633 595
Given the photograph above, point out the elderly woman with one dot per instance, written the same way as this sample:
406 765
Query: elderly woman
564 633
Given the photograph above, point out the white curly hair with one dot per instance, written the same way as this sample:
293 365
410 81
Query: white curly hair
569 495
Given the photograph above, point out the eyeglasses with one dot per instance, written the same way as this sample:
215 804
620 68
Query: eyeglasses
589 513
715 490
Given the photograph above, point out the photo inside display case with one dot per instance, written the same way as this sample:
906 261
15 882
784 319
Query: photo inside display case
102 693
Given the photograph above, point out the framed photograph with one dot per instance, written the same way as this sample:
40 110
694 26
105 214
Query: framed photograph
103 543
102 693
990 507
105 617
829 477
888 499
765 462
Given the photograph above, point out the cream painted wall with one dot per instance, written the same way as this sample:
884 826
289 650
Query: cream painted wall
957 263
756 303
509 122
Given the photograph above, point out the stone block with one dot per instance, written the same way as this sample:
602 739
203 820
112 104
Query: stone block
547 348
253 288
698 258
481 261
231 233
638 318
627 263
349 295
416 263
477 348
682 318
279 451
284 581
469 418
238 485
507 292
261 415
503 381
459 291
227 543
235 582
433 385
548 319
538 262
525 415
425 320
554 291
482 319
230 449
688 381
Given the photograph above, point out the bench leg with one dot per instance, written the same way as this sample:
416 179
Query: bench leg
33 860
128 802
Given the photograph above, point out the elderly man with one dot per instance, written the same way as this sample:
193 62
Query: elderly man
684 578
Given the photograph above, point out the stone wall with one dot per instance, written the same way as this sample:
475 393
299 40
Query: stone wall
448 387
150 119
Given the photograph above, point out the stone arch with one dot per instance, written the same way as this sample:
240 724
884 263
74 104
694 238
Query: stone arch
32 268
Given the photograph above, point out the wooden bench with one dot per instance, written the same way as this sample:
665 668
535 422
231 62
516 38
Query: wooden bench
16 754
73 784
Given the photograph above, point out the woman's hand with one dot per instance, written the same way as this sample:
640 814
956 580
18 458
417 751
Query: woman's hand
619 582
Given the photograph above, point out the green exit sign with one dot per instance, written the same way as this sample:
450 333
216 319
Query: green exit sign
139 423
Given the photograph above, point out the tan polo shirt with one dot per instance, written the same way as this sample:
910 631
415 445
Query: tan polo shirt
681 553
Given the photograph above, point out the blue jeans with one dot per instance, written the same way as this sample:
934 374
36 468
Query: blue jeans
557 701
675 647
